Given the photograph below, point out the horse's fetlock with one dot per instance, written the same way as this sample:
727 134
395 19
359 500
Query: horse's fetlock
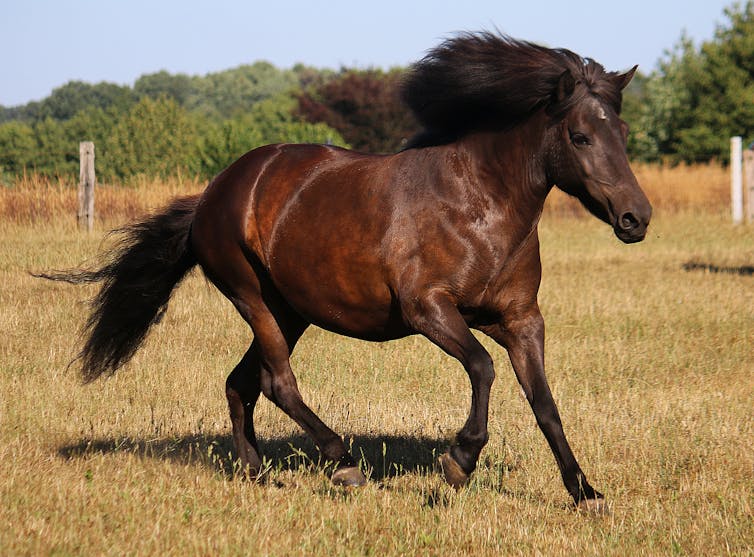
464 458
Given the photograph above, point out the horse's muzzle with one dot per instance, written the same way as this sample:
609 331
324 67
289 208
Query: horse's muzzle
630 227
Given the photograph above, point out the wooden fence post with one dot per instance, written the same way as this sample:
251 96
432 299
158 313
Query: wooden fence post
87 180
749 183
736 182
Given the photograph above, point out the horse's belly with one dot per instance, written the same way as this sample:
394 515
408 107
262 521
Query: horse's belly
346 297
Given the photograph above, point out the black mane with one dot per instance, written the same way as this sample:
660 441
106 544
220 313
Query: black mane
485 80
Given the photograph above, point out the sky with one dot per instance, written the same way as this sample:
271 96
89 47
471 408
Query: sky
46 43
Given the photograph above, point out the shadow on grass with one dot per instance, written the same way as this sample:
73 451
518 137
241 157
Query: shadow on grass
383 456
743 270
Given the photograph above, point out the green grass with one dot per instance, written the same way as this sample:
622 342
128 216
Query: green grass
651 366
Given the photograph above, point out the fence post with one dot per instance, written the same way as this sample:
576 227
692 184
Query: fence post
86 185
749 183
736 184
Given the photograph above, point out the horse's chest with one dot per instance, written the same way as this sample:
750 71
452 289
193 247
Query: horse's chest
498 274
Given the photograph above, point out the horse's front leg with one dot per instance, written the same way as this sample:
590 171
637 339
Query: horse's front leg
523 337
435 316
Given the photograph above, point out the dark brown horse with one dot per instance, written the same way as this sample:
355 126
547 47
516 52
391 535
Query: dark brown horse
435 240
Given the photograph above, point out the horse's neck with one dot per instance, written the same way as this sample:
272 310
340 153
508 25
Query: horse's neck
509 168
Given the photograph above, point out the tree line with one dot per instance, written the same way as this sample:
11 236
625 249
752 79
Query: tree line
684 110
699 96
164 124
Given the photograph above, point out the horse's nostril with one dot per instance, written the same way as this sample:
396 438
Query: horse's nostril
628 221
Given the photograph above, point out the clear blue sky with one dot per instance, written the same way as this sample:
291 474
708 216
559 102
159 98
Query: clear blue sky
45 43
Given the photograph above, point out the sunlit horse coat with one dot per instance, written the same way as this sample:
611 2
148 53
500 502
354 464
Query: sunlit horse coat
434 240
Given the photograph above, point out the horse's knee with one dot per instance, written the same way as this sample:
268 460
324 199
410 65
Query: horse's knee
284 392
546 413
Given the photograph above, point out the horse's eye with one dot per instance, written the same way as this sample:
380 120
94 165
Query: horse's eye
579 139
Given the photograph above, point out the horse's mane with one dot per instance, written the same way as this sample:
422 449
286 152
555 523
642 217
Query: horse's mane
488 80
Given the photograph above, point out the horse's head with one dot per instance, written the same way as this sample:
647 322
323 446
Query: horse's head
587 157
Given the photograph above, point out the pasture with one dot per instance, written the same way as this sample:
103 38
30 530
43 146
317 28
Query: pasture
649 360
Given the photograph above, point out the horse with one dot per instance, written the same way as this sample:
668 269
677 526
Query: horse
437 239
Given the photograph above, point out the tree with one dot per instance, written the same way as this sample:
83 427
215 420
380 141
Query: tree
269 121
665 104
52 153
51 147
66 101
364 106
10 113
634 100
179 87
96 125
699 98
723 93
17 145
156 138
233 92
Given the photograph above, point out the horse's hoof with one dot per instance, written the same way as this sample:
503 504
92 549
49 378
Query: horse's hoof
454 474
251 476
348 476
247 472
593 506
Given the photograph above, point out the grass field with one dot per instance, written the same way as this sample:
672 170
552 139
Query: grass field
651 366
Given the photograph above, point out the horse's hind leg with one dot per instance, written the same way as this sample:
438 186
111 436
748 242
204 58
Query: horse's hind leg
242 389
278 383
266 368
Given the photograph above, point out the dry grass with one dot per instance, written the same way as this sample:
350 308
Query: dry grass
700 188
35 199
651 365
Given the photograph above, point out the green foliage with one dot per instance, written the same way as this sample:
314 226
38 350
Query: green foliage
227 94
700 97
686 110
17 145
179 87
11 113
197 125
269 121
634 99
664 100
70 99
52 150
155 138
50 146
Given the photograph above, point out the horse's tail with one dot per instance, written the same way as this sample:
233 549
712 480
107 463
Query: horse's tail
138 277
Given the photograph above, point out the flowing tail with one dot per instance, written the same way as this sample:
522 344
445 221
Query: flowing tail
138 277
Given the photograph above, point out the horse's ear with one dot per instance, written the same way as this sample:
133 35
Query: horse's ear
622 80
566 85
